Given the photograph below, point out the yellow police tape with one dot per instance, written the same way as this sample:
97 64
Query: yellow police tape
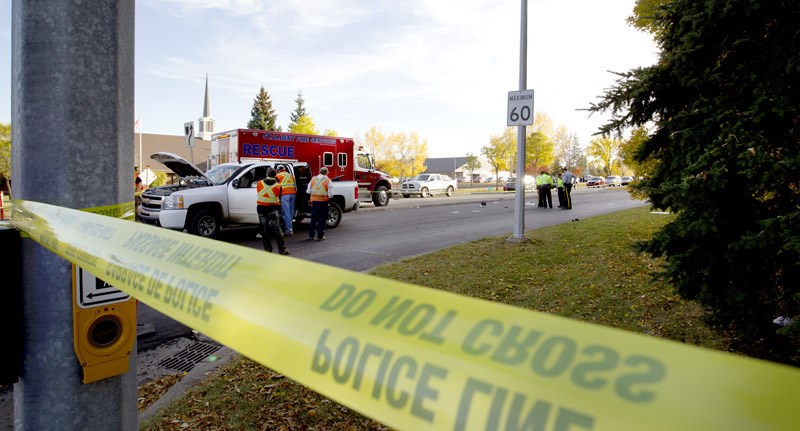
416 358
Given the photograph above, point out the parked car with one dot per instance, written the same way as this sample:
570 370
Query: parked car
424 185
626 180
595 182
613 180
511 185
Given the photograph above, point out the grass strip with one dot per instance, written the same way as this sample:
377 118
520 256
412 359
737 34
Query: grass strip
586 270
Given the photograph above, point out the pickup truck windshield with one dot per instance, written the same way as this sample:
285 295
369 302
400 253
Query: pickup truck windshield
423 177
220 173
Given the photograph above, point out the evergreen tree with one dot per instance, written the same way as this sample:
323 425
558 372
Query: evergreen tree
299 110
724 104
262 116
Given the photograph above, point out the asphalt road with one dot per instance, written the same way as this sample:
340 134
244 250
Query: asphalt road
407 227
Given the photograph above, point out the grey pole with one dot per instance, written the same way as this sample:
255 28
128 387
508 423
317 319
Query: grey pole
72 114
519 195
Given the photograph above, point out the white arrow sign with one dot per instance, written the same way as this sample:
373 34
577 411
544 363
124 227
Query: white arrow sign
93 292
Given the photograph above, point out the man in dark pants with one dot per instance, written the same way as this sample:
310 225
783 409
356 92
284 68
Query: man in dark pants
320 192
545 196
569 180
268 206
560 187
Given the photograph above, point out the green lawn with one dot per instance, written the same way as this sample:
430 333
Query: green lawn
586 270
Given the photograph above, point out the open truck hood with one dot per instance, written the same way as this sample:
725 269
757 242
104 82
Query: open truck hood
179 165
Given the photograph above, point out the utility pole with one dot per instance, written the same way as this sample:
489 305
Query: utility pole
72 99
519 195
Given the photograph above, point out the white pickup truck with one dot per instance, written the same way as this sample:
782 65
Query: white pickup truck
225 196
425 185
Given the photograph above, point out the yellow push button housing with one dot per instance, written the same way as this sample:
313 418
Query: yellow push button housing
104 324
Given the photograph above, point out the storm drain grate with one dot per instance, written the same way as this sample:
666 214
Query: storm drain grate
186 359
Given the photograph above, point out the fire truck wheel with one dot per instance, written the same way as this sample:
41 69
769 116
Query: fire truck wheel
334 215
205 224
381 197
424 193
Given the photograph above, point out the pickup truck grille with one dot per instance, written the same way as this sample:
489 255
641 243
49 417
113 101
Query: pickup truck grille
151 202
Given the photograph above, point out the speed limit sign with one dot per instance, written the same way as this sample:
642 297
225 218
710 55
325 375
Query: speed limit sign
520 108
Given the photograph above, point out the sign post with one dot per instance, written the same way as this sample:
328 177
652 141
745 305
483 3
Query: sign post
520 114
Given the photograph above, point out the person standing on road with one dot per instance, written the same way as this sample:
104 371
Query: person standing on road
288 194
560 188
540 189
545 196
320 192
268 206
138 189
569 180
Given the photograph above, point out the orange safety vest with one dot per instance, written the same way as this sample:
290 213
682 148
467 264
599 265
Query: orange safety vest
287 183
268 196
319 189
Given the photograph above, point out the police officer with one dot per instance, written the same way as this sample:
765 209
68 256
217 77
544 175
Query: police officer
560 187
268 206
569 180
544 183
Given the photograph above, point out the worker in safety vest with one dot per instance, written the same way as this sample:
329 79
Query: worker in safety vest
544 183
268 206
562 202
320 192
288 194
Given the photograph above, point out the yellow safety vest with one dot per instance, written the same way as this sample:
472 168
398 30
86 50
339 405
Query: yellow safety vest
268 196
287 183
319 189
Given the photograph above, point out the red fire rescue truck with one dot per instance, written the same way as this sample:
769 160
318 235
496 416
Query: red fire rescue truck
340 155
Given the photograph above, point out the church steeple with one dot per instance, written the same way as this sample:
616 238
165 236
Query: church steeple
206 123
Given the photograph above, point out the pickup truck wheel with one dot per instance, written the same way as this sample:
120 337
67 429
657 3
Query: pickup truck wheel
450 191
334 216
406 195
380 197
424 193
205 224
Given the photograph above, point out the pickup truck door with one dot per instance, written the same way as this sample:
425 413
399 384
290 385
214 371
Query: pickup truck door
435 183
242 199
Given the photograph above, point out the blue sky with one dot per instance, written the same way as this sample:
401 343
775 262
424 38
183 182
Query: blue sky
441 68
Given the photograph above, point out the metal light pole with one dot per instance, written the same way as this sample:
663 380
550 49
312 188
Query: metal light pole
519 195
73 76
